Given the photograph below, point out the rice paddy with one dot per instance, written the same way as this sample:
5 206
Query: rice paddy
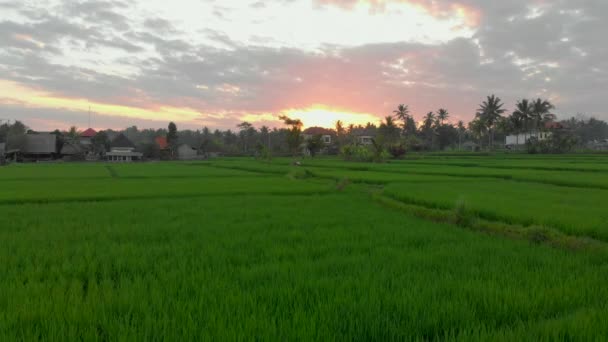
235 249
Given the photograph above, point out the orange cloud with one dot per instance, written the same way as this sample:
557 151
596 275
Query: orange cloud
13 92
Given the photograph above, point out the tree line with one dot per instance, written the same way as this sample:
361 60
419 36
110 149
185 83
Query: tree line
396 134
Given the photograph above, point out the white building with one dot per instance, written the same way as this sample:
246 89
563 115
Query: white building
122 150
186 152
521 139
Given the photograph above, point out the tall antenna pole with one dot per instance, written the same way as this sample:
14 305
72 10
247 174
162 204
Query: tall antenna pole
89 117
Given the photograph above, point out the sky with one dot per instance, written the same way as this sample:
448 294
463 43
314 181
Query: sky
217 63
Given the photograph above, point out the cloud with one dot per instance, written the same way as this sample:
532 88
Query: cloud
113 53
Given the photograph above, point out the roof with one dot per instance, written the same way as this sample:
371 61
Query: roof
554 125
318 131
121 141
40 143
70 148
89 133
161 142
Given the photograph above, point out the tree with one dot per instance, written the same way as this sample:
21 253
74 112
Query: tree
172 138
389 130
315 144
520 117
100 142
541 112
402 113
461 130
294 136
73 133
489 113
442 115
428 129
246 133
13 135
265 136
477 128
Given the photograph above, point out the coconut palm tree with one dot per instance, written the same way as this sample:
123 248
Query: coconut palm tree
389 129
461 130
402 113
522 115
477 128
442 115
541 112
429 120
489 113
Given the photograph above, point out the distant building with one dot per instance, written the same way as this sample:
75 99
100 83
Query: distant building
519 140
470 146
2 149
364 136
72 151
39 146
122 150
522 138
600 145
161 142
327 135
186 152
86 137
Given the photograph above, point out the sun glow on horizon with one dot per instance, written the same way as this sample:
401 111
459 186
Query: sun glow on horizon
325 116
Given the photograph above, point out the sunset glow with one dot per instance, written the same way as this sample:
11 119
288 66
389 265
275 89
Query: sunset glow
218 63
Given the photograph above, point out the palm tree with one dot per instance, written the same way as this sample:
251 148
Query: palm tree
389 129
477 128
522 115
490 112
402 113
442 115
429 120
461 129
428 127
541 112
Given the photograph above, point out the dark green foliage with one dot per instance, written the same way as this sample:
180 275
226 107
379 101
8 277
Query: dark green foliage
315 144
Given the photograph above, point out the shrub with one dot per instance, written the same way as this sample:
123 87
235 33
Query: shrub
464 216
397 151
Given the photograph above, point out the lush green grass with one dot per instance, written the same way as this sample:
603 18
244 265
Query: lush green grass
238 249
576 211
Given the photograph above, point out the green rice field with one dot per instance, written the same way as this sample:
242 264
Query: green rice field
432 247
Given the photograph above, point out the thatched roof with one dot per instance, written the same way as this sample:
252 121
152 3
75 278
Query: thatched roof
40 143
122 141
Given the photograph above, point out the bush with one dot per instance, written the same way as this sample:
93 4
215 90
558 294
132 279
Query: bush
464 216
558 142
367 154
397 151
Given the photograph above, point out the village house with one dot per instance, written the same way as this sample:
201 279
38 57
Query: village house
520 140
186 152
39 146
364 136
72 151
86 137
327 135
122 150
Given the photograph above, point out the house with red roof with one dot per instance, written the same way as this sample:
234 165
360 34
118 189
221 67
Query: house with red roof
161 142
86 137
